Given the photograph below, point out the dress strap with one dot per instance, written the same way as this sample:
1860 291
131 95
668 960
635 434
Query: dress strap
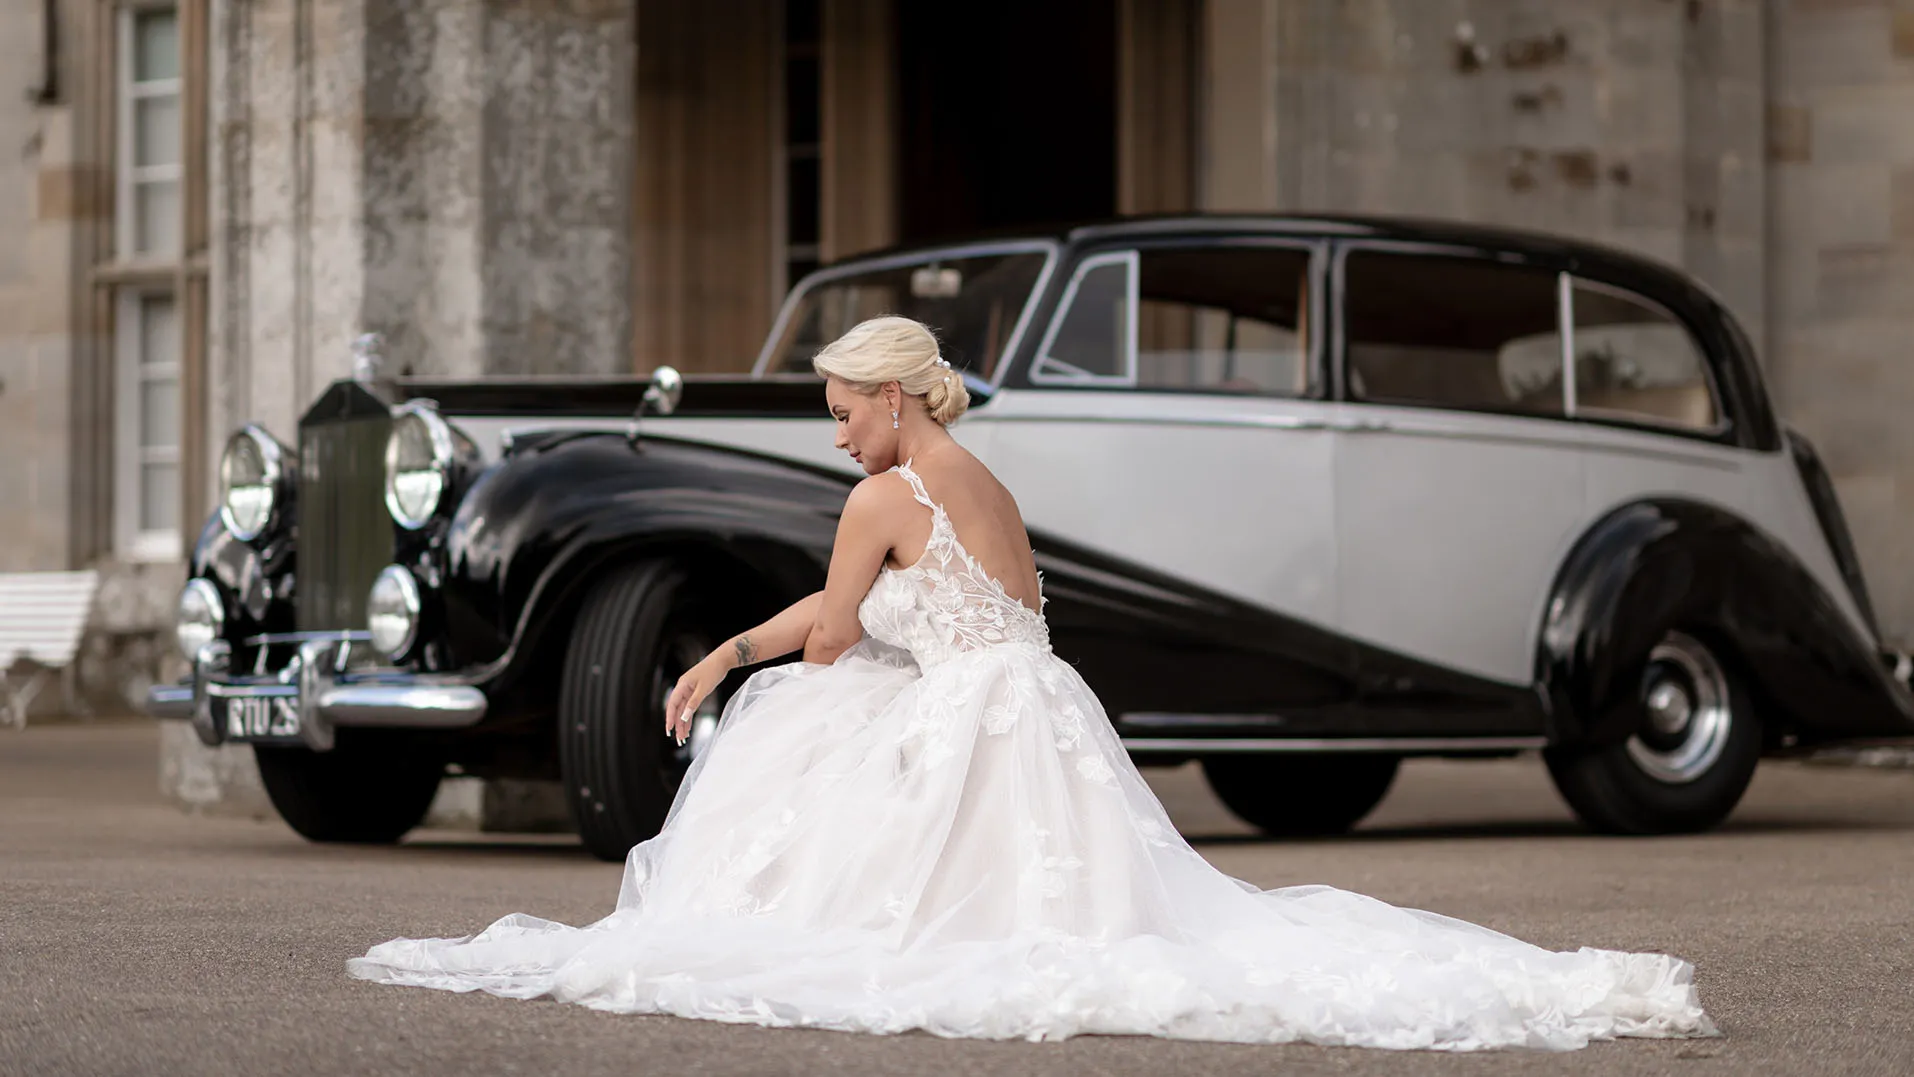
916 485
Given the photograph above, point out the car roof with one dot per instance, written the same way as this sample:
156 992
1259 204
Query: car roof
1403 228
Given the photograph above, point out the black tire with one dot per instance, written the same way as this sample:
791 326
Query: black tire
370 789
1663 779
1301 795
640 628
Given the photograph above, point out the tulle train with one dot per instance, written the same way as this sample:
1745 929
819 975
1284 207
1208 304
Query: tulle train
969 851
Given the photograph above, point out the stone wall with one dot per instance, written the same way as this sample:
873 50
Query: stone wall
1840 151
38 208
1634 122
453 174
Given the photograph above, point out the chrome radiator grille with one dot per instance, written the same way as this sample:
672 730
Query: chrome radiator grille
345 535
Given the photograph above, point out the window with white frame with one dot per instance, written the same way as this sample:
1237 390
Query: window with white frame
149 134
148 424
147 326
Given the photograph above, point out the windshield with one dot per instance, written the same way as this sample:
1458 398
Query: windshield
972 303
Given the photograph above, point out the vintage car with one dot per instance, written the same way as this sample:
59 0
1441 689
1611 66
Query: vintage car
1309 495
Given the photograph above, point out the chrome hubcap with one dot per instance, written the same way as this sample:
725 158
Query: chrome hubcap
1685 697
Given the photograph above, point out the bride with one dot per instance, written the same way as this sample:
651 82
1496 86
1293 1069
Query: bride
929 823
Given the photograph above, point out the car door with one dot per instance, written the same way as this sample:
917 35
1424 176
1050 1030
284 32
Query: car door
1170 447
1459 481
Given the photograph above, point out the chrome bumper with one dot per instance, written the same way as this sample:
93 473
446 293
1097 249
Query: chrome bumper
316 692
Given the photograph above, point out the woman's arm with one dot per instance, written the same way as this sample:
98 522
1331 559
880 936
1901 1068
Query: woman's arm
865 533
775 638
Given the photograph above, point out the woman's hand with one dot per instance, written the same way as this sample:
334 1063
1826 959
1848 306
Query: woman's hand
691 690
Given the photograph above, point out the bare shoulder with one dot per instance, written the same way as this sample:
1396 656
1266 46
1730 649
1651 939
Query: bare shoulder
964 478
878 498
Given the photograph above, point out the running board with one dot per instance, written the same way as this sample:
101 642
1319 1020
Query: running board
1405 745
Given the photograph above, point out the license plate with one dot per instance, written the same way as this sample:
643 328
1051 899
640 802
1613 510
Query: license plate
262 717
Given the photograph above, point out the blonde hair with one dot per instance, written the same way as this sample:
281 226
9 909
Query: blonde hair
895 349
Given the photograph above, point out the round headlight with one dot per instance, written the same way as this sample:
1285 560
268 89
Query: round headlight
201 616
392 611
250 471
418 463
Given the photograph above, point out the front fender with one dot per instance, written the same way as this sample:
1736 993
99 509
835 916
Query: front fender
533 528
1655 565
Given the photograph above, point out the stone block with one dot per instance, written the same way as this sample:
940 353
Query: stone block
1793 274
1902 193
1655 192
1866 282
1790 133
1840 205
1640 110
1904 30
1815 45
1856 124
1842 382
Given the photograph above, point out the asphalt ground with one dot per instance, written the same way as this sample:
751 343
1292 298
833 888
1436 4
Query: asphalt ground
135 939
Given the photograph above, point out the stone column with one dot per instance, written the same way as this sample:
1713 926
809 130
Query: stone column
453 174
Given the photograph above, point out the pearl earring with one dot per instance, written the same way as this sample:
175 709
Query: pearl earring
893 420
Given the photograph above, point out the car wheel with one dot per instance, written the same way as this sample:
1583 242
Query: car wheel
1301 795
639 631
371 788
1694 750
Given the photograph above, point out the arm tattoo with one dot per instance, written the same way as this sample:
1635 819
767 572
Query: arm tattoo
747 651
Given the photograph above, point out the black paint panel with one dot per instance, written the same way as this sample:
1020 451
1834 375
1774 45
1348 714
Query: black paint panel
536 527
704 397
1834 524
1657 565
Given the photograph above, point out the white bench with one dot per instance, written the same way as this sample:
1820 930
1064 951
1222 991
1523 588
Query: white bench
42 616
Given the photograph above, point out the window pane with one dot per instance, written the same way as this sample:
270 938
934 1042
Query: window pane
1452 332
156 131
156 217
159 497
159 330
155 45
1635 362
1220 319
972 303
159 413
1093 336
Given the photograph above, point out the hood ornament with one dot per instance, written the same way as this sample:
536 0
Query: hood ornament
368 360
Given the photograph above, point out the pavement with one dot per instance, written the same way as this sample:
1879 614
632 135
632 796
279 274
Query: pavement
138 940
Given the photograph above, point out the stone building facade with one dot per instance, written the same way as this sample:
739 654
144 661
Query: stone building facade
571 186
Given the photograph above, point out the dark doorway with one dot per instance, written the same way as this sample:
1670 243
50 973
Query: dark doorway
1007 115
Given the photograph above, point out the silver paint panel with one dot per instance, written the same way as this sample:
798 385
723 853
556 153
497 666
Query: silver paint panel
1232 493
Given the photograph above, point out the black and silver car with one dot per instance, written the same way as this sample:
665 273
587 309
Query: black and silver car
1310 496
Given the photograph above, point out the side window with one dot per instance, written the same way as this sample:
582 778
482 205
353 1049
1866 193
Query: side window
1635 361
1211 319
1452 332
1090 341
1225 320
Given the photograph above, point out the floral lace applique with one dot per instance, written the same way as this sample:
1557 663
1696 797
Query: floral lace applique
946 604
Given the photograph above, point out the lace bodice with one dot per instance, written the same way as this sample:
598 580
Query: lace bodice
945 604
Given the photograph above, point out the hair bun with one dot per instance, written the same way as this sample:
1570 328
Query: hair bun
947 398
892 348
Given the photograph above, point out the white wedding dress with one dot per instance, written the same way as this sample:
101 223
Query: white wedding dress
941 831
